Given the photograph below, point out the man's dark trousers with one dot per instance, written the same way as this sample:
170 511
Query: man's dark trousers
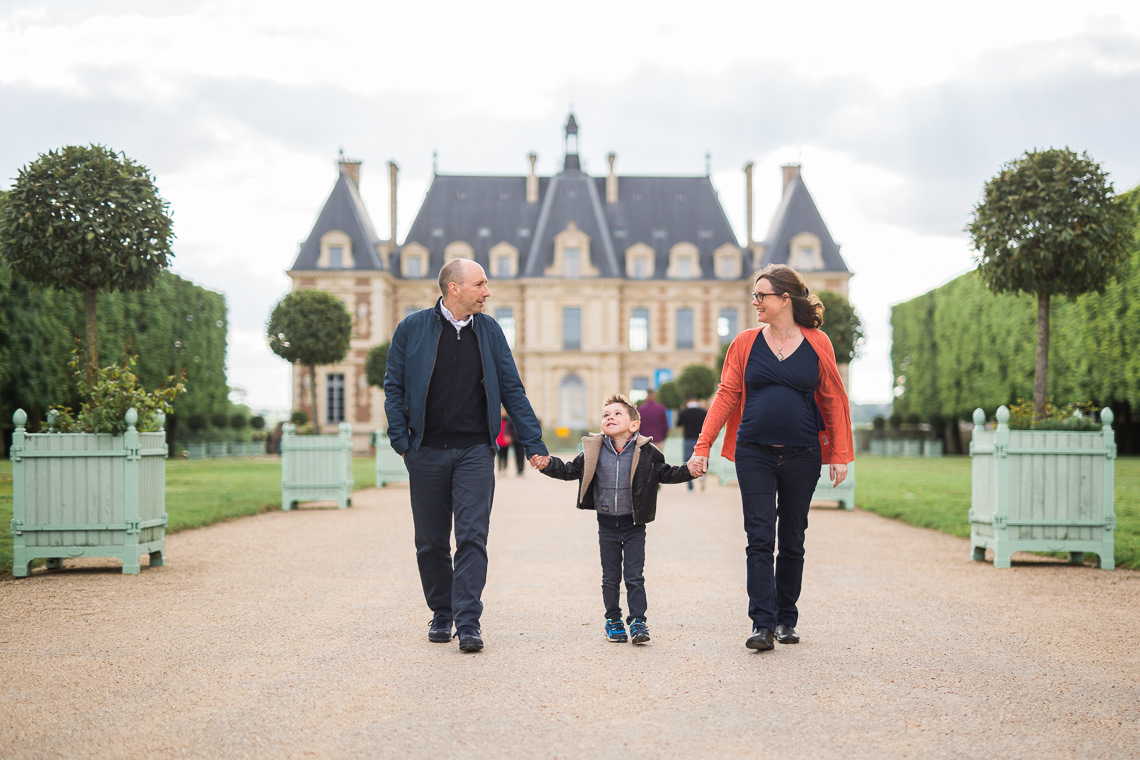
447 485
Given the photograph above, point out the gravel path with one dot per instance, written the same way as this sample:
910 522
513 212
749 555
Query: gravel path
303 634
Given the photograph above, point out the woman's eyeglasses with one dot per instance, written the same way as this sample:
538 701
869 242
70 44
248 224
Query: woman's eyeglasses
759 297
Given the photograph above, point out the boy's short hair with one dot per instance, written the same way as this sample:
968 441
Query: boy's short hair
618 398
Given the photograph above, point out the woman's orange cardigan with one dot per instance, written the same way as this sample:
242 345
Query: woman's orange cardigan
836 445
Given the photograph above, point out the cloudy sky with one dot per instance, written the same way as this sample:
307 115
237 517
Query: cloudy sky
898 114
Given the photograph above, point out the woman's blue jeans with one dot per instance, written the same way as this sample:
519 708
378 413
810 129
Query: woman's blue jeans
776 486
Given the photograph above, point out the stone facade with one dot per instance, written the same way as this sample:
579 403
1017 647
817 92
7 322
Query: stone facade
604 285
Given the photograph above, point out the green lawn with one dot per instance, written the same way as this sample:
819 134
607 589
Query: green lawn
930 493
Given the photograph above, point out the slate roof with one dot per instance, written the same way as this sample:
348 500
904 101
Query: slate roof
486 210
798 213
343 211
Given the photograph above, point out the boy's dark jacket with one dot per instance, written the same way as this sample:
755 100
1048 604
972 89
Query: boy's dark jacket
649 470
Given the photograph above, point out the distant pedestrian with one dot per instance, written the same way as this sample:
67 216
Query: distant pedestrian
504 441
654 419
690 420
449 369
786 412
618 473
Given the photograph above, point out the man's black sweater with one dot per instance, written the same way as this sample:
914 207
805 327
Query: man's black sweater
456 413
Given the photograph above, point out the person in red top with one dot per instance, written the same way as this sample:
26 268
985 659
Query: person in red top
785 414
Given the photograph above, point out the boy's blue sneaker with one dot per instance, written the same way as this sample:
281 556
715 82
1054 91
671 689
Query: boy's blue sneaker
639 630
615 630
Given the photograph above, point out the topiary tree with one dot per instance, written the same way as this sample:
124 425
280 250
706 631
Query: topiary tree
1050 224
220 420
238 421
669 395
299 417
377 364
257 422
697 381
88 219
842 324
310 327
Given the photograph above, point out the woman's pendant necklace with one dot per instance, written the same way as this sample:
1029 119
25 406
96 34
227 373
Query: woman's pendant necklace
780 353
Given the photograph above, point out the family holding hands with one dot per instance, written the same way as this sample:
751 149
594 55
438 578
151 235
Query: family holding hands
780 402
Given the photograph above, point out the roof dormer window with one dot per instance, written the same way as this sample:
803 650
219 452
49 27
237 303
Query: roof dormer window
805 253
336 251
684 263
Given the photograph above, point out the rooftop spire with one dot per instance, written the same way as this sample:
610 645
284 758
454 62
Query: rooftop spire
571 148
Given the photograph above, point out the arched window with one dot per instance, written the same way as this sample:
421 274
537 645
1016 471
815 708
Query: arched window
572 402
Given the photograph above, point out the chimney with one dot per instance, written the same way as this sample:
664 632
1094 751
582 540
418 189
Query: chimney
791 171
393 169
611 180
532 181
352 169
748 204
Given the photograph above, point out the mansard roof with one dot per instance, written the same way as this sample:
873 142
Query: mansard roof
343 211
796 214
486 210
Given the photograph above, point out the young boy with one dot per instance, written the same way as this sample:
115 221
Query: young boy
619 472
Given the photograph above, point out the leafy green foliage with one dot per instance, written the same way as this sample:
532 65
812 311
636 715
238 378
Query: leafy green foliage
84 218
696 381
377 364
310 327
669 395
1067 417
116 389
1050 224
842 325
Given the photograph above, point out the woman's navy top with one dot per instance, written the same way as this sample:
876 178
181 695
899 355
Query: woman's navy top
779 405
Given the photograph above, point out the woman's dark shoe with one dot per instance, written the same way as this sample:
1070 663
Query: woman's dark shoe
786 634
760 640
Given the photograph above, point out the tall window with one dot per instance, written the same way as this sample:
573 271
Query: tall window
336 257
639 330
335 398
684 328
572 262
413 267
572 402
726 325
684 267
506 320
571 328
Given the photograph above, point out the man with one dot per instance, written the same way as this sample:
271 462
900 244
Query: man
449 369
691 420
654 420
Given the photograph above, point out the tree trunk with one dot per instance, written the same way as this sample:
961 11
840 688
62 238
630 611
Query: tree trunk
91 360
1042 369
313 398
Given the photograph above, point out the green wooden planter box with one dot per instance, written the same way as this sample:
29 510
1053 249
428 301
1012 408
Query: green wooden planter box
931 448
1042 490
912 447
88 495
316 467
844 493
389 465
196 450
878 447
217 449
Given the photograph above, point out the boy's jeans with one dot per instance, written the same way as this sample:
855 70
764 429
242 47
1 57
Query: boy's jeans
765 472
623 548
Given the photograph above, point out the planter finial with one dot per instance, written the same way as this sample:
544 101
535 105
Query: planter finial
979 418
1106 417
20 418
131 418
1002 416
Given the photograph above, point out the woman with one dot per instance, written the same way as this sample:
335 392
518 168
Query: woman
787 414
